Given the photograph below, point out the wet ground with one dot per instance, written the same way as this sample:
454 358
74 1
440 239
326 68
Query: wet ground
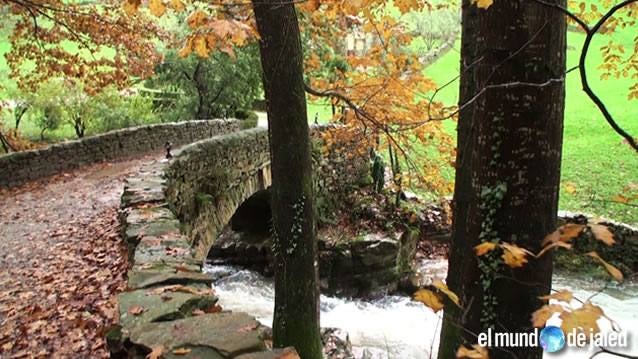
62 262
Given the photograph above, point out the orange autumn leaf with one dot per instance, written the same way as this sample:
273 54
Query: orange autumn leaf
564 233
514 256
429 298
484 248
483 4
157 7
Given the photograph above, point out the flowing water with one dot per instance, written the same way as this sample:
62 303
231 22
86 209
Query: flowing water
396 327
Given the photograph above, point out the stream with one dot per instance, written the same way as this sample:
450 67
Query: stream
396 327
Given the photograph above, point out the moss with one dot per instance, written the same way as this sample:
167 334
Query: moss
204 199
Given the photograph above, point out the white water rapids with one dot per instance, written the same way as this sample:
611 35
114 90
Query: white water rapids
398 328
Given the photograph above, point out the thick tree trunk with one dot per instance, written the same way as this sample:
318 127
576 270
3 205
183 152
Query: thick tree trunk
296 312
509 142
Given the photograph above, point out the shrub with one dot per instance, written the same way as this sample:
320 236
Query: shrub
112 109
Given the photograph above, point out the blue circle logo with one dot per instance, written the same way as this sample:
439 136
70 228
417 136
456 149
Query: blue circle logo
552 339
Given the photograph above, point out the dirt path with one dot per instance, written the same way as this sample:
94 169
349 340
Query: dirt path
61 262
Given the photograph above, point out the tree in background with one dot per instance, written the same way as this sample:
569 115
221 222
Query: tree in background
296 312
96 44
213 87
508 168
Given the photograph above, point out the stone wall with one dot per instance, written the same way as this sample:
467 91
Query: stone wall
208 180
20 167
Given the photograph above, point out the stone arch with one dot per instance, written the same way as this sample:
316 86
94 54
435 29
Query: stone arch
209 180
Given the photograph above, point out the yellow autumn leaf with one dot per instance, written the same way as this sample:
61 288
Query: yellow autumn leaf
438 284
196 19
157 7
569 187
483 248
483 4
200 47
583 319
429 298
476 352
542 315
613 271
131 6
514 256
177 5
602 233
311 5
562 295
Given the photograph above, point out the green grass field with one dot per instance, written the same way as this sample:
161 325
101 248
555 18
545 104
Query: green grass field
596 165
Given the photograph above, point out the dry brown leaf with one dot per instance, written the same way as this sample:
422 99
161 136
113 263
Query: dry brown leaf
583 319
156 352
136 310
181 351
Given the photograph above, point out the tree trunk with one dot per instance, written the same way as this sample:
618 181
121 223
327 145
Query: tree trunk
296 312
509 144
6 145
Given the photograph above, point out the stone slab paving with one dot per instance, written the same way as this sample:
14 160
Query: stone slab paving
170 306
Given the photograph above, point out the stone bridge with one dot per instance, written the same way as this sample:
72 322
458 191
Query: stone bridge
172 212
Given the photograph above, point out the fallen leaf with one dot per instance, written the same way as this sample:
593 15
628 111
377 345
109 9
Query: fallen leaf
181 351
156 352
136 310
